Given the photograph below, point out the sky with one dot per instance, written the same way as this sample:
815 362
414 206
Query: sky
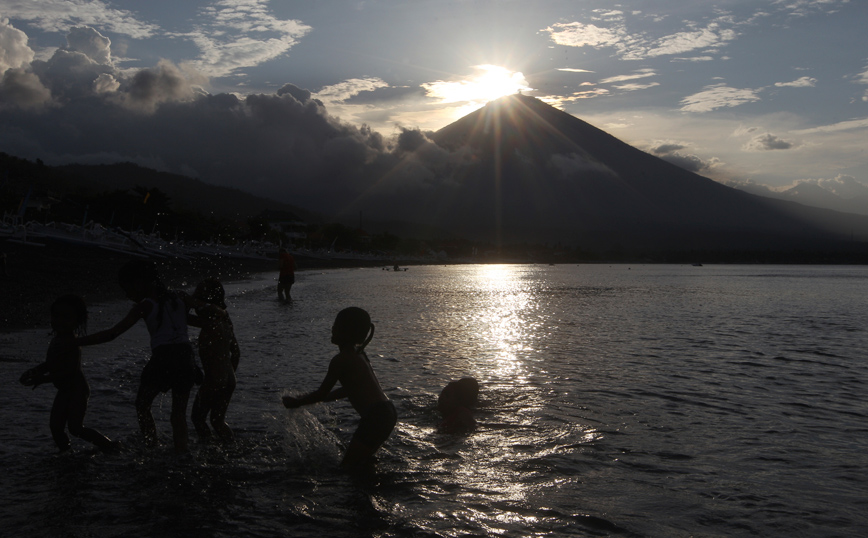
769 92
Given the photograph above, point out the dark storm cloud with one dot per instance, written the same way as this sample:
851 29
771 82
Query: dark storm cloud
20 88
78 107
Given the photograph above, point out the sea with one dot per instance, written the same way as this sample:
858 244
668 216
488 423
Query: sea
616 400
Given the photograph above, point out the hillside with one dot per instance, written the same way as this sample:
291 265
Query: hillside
185 194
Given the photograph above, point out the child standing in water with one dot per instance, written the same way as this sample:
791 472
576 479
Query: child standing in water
172 365
351 332
219 352
63 368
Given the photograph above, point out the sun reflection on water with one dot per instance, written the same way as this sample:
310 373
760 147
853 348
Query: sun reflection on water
502 322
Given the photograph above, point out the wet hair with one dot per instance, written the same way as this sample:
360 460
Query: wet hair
353 326
469 390
211 291
78 307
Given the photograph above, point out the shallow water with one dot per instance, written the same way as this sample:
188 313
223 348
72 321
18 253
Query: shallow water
616 401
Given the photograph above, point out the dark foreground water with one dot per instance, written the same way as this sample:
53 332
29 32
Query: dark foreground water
617 400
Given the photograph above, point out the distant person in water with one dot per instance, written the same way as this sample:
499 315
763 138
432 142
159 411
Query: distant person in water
286 264
219 353
63 368
351 332
456 403
172 365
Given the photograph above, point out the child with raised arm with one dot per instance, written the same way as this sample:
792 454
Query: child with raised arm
172 365
351 332
63 368
219 353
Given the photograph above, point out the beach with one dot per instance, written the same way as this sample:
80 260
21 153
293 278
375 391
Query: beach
36 275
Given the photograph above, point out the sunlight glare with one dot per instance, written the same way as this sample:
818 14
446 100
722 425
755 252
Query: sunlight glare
492 82
503 323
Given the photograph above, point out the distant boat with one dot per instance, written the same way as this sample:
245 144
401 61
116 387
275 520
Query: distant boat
696 264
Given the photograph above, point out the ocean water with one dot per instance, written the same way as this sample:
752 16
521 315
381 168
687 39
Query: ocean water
643 400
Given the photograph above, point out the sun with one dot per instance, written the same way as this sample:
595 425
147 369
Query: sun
490 82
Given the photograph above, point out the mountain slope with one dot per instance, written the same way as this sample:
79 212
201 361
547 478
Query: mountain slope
537 170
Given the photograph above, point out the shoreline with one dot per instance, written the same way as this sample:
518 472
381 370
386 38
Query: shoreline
37 275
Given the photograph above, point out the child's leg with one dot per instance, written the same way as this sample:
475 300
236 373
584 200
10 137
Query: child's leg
144 399
200 412
77 409
357 453
58 418
218 410
374 428
180 397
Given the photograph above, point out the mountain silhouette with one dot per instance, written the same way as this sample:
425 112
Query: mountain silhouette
530 172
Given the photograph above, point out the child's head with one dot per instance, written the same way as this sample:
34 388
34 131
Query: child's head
138 278
211 291
69 314
352 327
461 393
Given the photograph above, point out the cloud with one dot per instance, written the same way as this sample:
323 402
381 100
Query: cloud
803 8
804 82
768 142
636 87
14 51
91 43
641 73
718 96
343 91
62 15
667 147
862 78
235 34
573 70
848 125
559 101
845 186
632 45
679 43
671 152
694 59
230 34
23 89
577 34
69 74
149 88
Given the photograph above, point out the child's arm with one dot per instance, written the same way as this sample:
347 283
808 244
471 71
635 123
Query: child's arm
36 376
320 394
108 335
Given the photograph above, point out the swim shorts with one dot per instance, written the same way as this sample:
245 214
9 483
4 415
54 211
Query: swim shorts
172 366
286 279
376 424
